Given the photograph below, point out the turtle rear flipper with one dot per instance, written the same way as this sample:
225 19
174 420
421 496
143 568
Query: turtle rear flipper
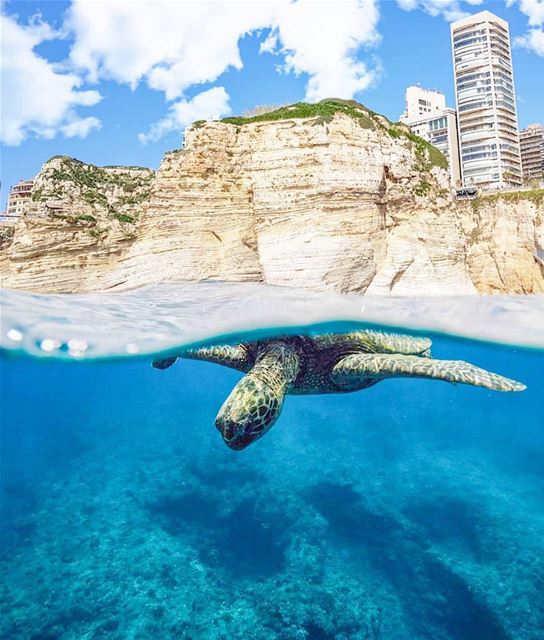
351 370
385 343
165 363
255 403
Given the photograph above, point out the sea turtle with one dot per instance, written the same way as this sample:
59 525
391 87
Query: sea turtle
326 363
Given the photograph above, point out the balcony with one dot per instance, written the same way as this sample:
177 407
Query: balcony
484 136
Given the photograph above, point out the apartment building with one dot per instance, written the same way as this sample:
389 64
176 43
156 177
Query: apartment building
18 199
427 115
421 102
486 104
532 152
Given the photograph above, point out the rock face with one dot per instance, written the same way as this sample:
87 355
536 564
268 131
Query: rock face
323 203
505 237
80 220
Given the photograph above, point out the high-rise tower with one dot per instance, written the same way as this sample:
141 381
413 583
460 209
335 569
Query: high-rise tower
486 103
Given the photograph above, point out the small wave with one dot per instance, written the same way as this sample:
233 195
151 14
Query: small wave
162 318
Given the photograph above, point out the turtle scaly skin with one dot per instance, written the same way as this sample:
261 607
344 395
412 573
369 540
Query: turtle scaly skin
326 363
256 401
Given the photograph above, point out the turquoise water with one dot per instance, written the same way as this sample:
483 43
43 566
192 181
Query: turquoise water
411 510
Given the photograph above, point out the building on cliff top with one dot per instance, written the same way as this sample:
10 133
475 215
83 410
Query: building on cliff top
532 153
421 102
18 200
427 115
486 103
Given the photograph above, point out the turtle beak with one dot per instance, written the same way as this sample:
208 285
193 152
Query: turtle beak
235 435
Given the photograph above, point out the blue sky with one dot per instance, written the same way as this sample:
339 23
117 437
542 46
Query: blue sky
115 82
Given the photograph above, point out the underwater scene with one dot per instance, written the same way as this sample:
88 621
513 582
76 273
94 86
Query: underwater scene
410 509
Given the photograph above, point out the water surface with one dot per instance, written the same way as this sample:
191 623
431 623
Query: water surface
413 509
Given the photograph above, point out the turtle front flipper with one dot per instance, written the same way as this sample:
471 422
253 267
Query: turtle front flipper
256 401
352 371
234 356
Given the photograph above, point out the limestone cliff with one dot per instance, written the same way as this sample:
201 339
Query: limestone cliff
80 219
505 236
347 202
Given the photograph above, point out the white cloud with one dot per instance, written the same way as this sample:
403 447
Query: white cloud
38 99
449 9
80 128
270 44
171 45
533 40
322 40
175 45
407 5
533 9
207 105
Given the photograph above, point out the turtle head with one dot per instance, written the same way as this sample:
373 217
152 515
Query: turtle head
248 413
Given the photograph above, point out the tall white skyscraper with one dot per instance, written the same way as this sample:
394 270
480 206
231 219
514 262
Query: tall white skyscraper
486 102
427 115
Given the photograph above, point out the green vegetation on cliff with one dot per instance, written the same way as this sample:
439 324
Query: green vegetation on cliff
6 234
533 195
324 111
104 188
93 177
428 155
